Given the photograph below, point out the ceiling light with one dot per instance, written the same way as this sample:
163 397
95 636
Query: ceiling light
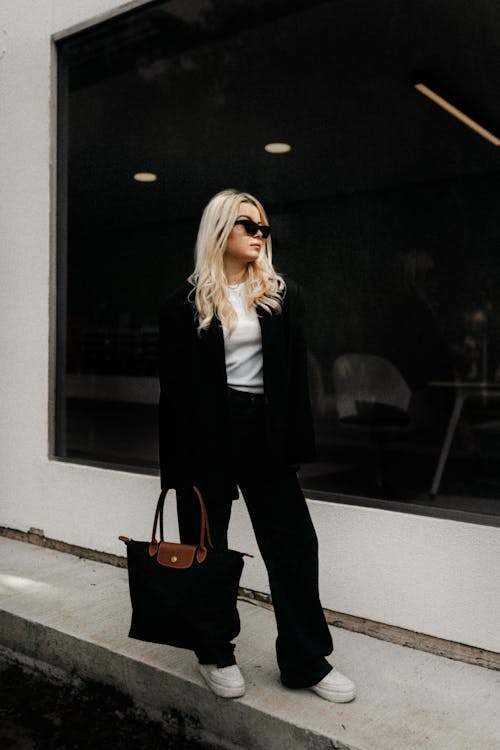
426 91
277 148
145 177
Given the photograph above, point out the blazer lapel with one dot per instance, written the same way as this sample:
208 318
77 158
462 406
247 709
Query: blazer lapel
214 357
273 353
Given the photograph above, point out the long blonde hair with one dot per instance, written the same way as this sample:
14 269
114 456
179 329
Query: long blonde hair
264 287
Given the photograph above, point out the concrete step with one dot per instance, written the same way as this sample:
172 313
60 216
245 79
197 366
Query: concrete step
74 615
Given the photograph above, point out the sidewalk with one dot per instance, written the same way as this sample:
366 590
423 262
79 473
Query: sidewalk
74 615
39 712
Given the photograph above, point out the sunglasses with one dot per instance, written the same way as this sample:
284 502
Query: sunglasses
252 228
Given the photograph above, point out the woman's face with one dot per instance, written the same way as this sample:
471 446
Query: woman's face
241 248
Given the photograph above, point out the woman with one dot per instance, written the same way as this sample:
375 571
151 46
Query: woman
235 411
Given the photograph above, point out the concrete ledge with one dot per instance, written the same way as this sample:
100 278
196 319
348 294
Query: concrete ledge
391 633
74 614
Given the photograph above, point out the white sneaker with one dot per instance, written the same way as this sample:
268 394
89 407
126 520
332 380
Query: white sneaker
335 687
227 682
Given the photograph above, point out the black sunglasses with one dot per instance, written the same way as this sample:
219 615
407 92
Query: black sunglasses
252 228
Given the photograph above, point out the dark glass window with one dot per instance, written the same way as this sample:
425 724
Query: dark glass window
385 209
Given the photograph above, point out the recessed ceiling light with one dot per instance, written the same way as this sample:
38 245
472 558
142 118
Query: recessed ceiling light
277 148
145 177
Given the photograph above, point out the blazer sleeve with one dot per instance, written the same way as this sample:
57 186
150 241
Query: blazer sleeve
302 447
175 430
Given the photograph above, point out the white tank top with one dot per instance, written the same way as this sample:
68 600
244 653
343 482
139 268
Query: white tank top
243 349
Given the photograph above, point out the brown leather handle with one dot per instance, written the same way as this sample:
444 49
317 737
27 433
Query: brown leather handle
204 526
158 512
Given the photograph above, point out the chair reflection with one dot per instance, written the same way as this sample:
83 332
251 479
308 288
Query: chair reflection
372 398
323 401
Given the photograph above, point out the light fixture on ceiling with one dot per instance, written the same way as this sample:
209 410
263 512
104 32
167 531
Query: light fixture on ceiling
426 91
277 148
145 177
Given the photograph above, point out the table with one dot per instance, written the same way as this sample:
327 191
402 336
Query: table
463 390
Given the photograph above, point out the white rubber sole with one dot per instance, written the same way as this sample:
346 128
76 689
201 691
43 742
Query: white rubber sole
334 696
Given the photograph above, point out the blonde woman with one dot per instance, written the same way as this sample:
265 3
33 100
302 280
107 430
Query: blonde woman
235 412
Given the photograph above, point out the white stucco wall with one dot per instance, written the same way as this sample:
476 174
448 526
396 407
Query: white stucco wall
431 575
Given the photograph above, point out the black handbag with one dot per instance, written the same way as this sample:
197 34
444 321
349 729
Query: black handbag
183 595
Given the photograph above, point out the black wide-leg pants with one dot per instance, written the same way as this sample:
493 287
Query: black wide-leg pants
286 539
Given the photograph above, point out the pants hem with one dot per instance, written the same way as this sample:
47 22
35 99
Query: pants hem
295 683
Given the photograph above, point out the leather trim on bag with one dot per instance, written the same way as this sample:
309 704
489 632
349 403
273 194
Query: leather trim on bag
175 555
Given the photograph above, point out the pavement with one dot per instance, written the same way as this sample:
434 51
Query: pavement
40 712
72 615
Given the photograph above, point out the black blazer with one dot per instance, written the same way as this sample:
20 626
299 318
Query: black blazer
193 433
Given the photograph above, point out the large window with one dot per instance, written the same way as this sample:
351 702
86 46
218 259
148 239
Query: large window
385 209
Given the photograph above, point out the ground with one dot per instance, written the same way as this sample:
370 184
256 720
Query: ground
37 713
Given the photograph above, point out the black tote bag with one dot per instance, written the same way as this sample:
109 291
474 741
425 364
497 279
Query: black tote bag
183 595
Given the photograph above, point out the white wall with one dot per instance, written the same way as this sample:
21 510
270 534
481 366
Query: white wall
431 575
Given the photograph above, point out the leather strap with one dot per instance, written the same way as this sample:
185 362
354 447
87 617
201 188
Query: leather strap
205 528
204 525
158 512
